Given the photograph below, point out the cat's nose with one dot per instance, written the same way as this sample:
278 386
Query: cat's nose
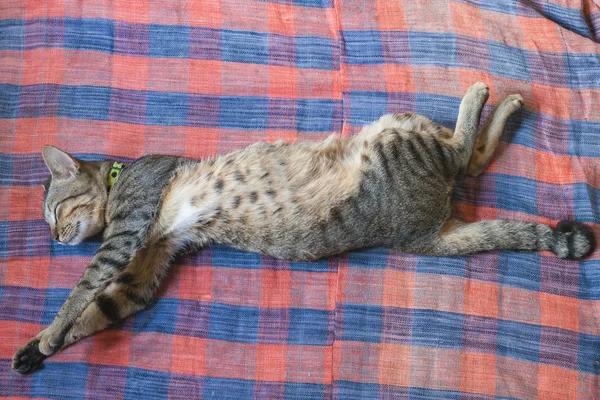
56 237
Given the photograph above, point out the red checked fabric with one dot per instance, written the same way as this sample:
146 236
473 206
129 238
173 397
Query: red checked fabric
119 79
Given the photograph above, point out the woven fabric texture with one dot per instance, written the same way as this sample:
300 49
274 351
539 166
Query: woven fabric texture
121 78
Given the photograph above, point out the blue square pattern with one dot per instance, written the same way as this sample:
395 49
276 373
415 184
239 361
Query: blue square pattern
589 280
84 102
363 47
314 52
224 388
61 381
520 270
522 130
169 41
9 100
22 303
228 257
436 329
375 258
589 353
315 115
433 48
586 201
440 109
12 37
89 34
160 317
583 71
505 7
454 266
434 394
86 248
508 61
515 193
245 46
297 390
145 384
185 386
310 3
23 242
166 109
362 323
366 107
569 18
4 229
357 390
54 300
518 340
308 326
584 138
233 323
321 265
244 112
33 98
29 169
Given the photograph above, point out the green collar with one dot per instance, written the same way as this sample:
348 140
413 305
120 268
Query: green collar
114 173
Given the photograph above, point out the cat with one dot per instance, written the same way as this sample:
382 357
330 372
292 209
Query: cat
388 186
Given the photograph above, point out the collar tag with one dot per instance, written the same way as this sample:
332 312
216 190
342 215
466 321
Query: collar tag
114 173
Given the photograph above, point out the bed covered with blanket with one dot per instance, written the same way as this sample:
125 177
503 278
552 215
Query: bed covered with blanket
120 79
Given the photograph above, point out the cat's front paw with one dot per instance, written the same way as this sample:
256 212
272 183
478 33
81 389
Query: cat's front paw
51 342
28 358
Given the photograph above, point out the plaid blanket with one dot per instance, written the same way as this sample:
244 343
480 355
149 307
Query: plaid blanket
120 79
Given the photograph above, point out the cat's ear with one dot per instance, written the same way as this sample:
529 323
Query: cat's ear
46 184
60 164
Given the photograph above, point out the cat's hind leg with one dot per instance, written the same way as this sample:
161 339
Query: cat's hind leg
569 240
490 134
467 123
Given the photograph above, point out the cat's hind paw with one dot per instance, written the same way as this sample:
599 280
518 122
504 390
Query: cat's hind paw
478 92
512 103
28 358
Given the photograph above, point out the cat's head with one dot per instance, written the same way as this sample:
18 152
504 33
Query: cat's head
75 196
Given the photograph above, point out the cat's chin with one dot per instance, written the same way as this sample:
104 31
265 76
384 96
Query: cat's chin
83 233
71 242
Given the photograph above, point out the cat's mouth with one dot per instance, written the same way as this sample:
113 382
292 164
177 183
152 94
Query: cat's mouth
75 237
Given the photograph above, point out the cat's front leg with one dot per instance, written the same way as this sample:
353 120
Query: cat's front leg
29 357
112 257
129 292
105 264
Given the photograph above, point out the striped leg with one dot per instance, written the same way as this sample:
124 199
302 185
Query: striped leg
111 258
131 291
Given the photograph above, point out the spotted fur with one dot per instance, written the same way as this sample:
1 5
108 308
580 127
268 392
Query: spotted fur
389 186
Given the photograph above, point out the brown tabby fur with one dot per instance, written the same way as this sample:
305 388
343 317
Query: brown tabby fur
390 186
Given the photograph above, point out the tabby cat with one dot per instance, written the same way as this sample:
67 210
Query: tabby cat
388 186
